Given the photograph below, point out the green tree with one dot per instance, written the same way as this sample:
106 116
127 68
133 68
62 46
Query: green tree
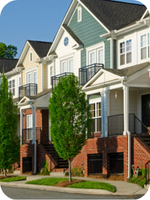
9 141
70 118
9 51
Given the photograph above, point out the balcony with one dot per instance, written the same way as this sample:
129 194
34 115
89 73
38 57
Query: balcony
55 79
28 90
86 73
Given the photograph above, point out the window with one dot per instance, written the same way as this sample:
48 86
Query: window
96 116
96 56
31 57
67 66
19 81
29 124
145 46
32 77
11 85
126 52
66 41
79 14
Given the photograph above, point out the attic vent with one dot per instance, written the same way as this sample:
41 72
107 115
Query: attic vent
79 16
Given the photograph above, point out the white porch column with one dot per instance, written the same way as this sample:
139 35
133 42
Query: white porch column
126 109
21 125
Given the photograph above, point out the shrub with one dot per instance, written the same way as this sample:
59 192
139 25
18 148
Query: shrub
46 169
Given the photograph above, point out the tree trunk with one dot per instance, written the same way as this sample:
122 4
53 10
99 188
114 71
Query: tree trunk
69 161
5 172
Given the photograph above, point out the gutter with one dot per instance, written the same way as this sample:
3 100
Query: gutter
127 131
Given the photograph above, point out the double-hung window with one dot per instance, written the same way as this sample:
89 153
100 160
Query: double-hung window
29 130
145 46
31 81
11 85
96 116
67 66
126 52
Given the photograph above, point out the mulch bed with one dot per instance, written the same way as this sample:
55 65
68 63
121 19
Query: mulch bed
66 183
111 177
2 177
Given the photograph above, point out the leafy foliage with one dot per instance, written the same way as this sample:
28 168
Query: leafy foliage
9 141
9 51
46 169
70 117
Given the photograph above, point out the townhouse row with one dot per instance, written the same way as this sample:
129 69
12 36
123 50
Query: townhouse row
106 44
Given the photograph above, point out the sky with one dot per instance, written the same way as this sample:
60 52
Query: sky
39 20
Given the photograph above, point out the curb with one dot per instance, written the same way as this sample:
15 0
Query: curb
67 190
59 189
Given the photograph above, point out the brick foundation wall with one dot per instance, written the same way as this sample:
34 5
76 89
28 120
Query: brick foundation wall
26 150
104 146
141 154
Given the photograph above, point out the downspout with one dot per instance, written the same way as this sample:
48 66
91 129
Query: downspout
34 139
129 137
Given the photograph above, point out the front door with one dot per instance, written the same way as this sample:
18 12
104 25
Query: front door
146 110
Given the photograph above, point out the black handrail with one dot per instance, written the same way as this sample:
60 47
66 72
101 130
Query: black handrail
147 172
87 72
55 79
44 139
25 135
27 90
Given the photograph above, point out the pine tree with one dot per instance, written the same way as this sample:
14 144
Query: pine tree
9 141
70 118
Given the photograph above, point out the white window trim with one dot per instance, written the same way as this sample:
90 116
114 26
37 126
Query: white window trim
79 10
30 71
95 48
92 101
30 127
13 87
125 53
147 58
67 61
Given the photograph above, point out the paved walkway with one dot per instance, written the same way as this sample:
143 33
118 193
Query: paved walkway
122 187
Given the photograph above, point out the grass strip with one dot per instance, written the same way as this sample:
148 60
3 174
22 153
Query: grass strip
93 185
11 179
47 181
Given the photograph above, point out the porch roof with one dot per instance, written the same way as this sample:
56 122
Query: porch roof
128 71
41 94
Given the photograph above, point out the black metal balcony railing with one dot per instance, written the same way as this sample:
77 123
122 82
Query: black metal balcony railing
28 90
116 125
55 79
86 73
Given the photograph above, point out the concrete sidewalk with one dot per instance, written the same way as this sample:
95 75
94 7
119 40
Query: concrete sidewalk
122 187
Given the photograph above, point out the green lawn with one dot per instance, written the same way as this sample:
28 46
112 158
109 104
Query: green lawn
47 181
93 185
139 181
83 185
17 178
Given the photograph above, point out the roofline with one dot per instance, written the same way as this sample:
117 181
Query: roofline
94 16
60 27
27 43
144 14
138 24
12 72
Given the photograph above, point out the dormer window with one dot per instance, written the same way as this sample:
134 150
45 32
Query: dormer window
79 14
31 57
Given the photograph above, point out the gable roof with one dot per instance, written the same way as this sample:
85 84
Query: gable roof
7 64
129 70
72 34
115 15
41 48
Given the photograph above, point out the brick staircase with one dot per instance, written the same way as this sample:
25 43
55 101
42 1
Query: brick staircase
51 150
